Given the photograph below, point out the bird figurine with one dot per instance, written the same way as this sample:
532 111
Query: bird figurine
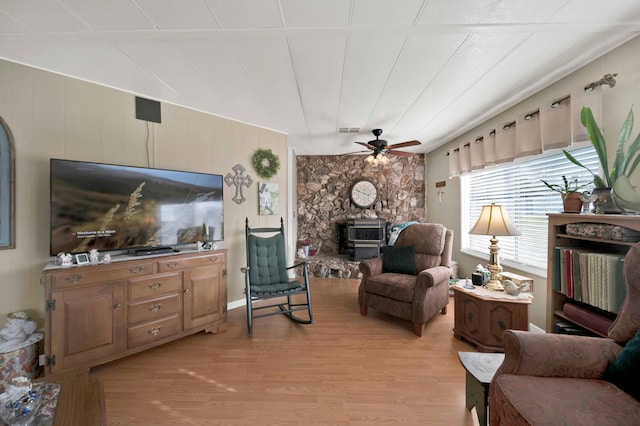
511 288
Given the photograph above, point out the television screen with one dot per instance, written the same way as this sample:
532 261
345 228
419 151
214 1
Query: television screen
110 207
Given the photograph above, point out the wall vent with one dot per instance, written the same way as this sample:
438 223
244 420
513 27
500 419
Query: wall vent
348 129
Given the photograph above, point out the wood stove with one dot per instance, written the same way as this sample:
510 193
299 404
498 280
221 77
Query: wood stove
365 237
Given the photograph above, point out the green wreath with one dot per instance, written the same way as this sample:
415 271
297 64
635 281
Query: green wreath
266 163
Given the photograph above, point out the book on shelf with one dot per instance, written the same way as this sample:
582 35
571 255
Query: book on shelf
576 275
584 271
562 271
555 278
591 277
583 316
566 327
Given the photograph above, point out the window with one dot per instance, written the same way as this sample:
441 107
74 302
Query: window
7 206
518 188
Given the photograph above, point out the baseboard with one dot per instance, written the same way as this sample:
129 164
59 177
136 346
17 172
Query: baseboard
534 328
236 304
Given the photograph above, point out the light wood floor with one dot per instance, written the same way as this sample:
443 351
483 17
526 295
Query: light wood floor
345 369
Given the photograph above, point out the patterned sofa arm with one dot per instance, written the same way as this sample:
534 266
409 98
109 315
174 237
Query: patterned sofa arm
556 355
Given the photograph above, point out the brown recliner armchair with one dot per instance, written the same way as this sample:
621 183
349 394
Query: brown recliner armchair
555 379
416 298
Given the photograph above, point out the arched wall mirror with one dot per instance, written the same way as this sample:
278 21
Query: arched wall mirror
7 187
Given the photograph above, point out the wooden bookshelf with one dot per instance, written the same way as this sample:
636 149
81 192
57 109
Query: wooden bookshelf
559 238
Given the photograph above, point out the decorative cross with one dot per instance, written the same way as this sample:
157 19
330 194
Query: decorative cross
239 181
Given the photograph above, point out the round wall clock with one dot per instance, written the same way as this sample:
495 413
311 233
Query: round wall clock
364 193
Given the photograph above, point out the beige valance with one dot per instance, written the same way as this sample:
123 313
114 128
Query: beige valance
556 124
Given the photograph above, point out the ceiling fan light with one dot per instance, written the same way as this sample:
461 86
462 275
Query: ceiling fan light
380 147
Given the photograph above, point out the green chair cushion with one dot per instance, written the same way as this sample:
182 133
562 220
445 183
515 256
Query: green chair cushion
279 288
267 260
399 259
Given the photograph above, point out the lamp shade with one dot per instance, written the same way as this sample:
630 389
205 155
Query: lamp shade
494 220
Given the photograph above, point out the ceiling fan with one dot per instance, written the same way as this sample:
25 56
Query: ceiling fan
380 147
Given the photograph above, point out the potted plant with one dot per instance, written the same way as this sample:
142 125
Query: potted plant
570 193
624 163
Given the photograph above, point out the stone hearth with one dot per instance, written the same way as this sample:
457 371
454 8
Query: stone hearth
332 266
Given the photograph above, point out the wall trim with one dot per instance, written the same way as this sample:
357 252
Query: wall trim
236 304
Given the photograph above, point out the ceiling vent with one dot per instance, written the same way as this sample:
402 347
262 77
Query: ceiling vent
348 129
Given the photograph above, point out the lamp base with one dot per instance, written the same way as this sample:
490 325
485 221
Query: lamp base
494 285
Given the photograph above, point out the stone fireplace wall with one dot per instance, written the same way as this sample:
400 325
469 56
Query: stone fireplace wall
323 194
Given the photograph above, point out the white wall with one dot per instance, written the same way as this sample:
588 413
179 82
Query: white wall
56 116
617 102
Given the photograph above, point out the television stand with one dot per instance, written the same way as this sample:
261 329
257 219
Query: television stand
146 251
99 313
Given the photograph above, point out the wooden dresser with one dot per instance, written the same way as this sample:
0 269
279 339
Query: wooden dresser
99 313
481 316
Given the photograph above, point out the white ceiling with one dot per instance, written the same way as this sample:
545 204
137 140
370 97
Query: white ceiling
419 69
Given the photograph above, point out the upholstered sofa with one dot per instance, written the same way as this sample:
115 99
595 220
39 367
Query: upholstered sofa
557 379
417 295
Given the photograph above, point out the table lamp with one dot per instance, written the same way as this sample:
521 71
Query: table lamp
494 221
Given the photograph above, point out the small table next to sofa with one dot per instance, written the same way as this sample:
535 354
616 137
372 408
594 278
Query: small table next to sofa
481 315
480 369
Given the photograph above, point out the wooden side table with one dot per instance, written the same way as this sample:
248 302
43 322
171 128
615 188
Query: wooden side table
481 316
480 369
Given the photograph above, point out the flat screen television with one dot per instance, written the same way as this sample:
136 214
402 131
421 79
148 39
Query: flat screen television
112 207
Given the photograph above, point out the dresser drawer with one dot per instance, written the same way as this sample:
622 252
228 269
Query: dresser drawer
192 262
91 275
154 309
158 285
153 331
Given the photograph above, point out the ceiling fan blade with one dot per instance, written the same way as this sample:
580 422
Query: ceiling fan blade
401 153
403 144
366 144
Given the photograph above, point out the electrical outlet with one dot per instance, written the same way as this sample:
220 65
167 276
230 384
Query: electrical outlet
42 359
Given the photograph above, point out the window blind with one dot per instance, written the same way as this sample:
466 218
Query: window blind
518 187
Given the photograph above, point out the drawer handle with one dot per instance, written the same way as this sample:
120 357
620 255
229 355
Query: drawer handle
187 290
172 264
135 269
154 286
155 308
74 278
154 331
213 258
117 306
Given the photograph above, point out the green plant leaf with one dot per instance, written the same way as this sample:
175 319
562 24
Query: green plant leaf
598 142
631 165
552 186
596 179
598 182
567 187
630 162
617 168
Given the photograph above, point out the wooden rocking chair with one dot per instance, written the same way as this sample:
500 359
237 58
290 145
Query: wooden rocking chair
266 277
